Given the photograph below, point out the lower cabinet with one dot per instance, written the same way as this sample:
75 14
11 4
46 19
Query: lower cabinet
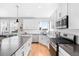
52 51
35 38
62 52
44 40
25 49
53 45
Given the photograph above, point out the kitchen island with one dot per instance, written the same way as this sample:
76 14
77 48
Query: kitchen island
69 49
10 45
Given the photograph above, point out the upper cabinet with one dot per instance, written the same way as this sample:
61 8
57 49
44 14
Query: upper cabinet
73 12
67 16
61 16
61 10
53 20
64 9
8 10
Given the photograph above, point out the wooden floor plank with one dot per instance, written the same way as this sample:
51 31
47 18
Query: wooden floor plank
39 50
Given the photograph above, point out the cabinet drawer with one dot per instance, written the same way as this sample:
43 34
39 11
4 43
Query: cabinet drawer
27 47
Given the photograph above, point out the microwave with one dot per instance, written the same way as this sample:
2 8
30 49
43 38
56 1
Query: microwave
63 23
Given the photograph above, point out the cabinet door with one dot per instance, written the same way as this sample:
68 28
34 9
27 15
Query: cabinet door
52 51
27 47
44 40
63 9
73 12
35 38
8 10
40 38
4 26
53 20
59 13
5 47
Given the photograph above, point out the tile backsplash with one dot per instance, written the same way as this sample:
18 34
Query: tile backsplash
66 35
70 33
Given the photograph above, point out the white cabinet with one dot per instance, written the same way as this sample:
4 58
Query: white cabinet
53 19
73 12
35 38
5 47
53 45
44 40
62 52
4 26
61 10
69 9
41 39
25 49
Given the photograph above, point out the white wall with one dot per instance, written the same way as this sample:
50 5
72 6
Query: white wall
32 23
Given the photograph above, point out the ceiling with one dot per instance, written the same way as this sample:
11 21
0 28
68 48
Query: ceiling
39 9
33 9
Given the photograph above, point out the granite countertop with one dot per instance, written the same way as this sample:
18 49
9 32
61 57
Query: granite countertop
61 41
8 46
71 49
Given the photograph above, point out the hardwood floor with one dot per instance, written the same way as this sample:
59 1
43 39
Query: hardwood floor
52 51
39 50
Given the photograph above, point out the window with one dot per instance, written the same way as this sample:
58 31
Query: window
44 24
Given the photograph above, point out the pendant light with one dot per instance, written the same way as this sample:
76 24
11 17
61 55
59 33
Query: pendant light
17 14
